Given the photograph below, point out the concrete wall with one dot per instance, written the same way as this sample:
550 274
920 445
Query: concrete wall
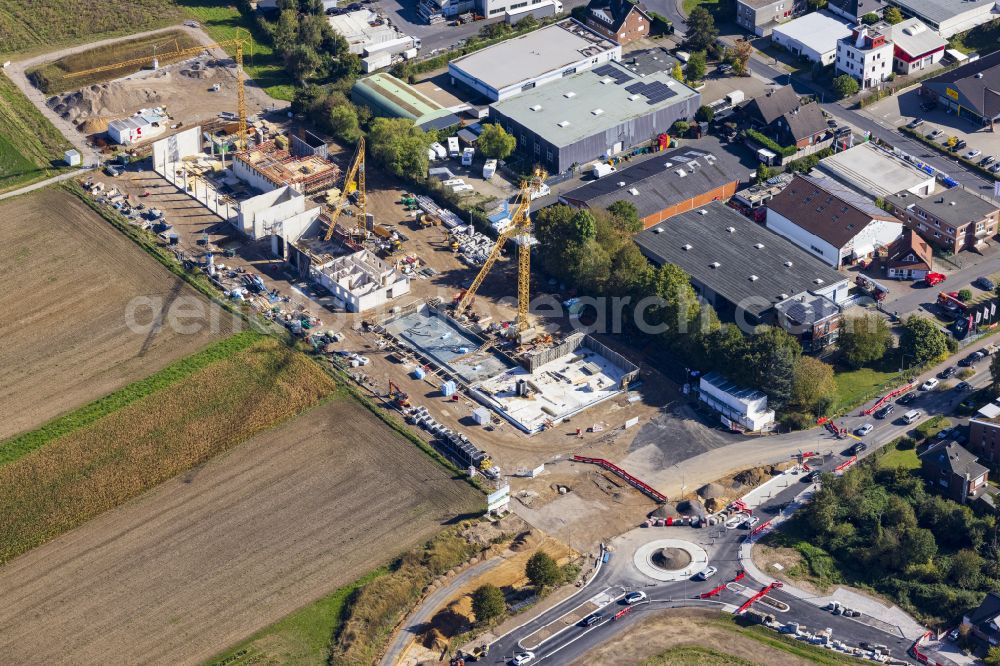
258 214
168 156
574 342
176 147
252 177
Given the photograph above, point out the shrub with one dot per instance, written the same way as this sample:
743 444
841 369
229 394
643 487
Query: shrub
771 144
965 295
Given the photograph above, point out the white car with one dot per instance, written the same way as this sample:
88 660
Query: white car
864 430
751 522
975 152
635 597
929 384
522 658
706 573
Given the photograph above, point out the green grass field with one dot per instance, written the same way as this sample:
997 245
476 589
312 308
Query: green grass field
40 25
899 457
855 386
221 21
300 638
29 144
57 76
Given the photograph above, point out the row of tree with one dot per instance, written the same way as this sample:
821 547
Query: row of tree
489 602
309 47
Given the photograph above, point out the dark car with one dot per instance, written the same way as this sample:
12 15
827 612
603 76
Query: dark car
885 411
985 283
831 123
858 448
971 359
907 398
591 620
961 144
947 372
811 476
963 386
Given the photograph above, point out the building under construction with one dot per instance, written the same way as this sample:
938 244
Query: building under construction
301 163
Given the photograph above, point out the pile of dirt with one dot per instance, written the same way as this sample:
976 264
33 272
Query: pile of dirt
200 70
671 559
691 507
712 490
106 100
665 510
95 125
716 504
752 477
484 533
526 539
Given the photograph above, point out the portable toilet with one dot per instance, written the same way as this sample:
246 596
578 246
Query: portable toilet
448 388
481 416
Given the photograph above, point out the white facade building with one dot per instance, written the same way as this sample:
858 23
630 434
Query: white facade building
866 54
144 125
746 408
361 280
916 46
813 36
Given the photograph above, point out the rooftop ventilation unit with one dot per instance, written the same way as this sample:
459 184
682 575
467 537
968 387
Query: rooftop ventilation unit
536 107
681 172
783 296
657 230
634 192
607 80
818 281
632 98
759 246
754 278
705 212
667 165
686 246
731 230
621 183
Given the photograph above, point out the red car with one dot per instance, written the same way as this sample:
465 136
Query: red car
934 278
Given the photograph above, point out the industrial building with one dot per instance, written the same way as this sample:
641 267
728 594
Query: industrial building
916 46
373 37
387 96
663 186
304 168
738 266
971 91
949 17
143 125
533 60
595 114
360 280
873 171
813 36
740 408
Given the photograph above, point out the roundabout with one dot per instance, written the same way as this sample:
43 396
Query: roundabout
670 559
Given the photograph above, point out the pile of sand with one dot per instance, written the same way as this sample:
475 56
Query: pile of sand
200 69
691 508
118 99
665 511
710 490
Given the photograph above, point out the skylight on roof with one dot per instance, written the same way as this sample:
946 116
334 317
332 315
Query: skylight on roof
569 95
536 107
607 80
597 112
564 123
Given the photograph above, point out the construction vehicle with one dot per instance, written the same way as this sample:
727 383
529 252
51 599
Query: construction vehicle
520 221
397 396
242 40
353 190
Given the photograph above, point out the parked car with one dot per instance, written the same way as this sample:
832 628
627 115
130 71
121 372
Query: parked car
706 573
751 522
883 412
911 416
635 597
995 168
948 372
932 279
943 433
934 134
929 384
985 283
522 658
961 144
865 429
907 398
963 386
831 123
858 448
972 154
988 160
811 476
953 635
915 123
971 359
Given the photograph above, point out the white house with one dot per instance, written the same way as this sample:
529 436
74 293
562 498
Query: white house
742 407
831 221
866 54
915 46
813 36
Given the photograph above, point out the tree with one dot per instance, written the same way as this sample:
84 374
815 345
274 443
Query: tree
494 141
993 656
679 309
763 172
495 30
488 603
400 146
738 57
302 62
922 340
871 18
966 568
677 73
344 123
529 22
864 340
680 128
813 387
694 70
770 360
704 114
892 15
965 295
542 570
625 217
845 85
701 32
564 236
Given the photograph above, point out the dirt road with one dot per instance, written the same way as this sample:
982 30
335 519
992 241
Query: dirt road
69 278
212 556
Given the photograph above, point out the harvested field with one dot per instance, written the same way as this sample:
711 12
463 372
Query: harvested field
29 144
96 467
48 23
210 557
61 74
71 276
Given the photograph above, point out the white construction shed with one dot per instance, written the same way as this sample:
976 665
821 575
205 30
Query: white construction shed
72 157
481 416
739 407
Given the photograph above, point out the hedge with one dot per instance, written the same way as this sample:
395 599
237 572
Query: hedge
771 144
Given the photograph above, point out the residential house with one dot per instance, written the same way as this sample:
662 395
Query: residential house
954 220
984 621
813 36
867 54
853 10
618 20
984 433
761 16
915 46
814 320
909 257
831 221
953 471
780 115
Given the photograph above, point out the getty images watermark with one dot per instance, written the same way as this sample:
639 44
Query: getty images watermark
189 314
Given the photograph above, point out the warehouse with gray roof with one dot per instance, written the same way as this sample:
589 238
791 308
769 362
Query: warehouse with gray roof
593 114
738 266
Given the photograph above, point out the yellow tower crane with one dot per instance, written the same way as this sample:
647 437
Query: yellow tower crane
241 41
519 223
354 181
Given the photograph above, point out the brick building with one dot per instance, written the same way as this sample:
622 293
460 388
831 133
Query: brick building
953 471
619 20
954 220
984 433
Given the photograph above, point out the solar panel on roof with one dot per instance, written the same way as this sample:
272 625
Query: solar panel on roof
619 76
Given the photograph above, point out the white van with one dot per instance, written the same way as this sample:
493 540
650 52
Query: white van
467 156
911 416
